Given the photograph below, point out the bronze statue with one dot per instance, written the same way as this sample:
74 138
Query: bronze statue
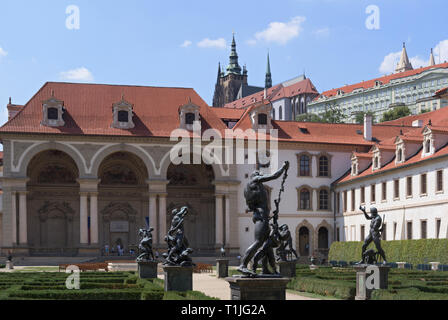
178 247
265 237
376 229
145 246
285 250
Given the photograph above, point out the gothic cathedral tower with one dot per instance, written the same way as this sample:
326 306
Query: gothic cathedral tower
229 83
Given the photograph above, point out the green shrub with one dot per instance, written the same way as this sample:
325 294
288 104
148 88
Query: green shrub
152 295
95 294
411 251
336 288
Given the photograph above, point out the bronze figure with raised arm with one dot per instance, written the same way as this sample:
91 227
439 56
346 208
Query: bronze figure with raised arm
376 229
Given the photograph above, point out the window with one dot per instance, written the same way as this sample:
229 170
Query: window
376 162
323 200
438 223
409 186
345 202
439 184
304 166
52 113
427 146
280 113
363 195
362 233
323 166
305 199
423 229
123 116
383 234
189 118
397 189
384 191
353 200
409 230
262 119
423 184
400 155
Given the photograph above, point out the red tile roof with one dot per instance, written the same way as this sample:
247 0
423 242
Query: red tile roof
228 113
88 110
384 80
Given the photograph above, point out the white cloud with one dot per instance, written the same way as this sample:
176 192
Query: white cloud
390 62
209 43
80 74
323 32
3 53
186 44
441 51
251 42
281 32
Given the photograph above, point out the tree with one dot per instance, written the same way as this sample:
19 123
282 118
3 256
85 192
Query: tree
359 118
396 113
309 117
332 115
424 111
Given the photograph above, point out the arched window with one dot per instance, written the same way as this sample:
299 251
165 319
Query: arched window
273 114
323 166
400 155
305 199
280 113
376 163
323 200
305 166
428 146
262 119
322 238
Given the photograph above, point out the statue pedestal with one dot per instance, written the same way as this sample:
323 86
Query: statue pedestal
380 279
147 269
400 265
244 288
222 268
287 268
178 278
434 266
9 265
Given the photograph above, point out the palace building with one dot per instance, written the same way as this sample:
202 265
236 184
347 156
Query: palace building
405 87
87 165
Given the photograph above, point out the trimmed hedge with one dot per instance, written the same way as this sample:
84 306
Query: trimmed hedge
412 251
337 288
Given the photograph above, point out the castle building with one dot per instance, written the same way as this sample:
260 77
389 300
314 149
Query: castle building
231 83
406 87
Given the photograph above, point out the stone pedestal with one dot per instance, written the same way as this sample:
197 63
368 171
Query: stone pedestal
313 267
178 278
9 265
434 266
222 268
400 265
147 269
380 279
287 268
257 288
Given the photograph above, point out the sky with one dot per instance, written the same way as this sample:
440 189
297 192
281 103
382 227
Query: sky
179 43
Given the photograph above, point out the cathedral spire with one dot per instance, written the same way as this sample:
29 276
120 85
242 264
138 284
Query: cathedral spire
404 64
233 66
219 72
432 62
268 77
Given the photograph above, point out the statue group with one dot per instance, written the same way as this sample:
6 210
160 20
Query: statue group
268 236
376 230
178 253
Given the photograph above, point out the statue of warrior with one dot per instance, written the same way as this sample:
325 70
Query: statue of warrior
178 247
257 202
145 246
376 229
285 249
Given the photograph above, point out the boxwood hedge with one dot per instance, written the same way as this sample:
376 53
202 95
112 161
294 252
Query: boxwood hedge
411 251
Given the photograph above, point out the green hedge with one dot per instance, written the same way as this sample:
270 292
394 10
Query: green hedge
95 294
411 251
337 288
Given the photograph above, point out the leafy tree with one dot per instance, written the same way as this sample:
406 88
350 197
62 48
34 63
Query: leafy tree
359 118
309 117
396 113
332 115
424 111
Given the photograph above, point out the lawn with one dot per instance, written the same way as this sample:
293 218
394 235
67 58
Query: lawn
93 286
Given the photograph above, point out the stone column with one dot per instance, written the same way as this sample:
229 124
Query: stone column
83 236
219 240
227 217
162 217
94 217
153 211
23 232
14 217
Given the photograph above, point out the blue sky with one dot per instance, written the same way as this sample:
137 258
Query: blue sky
179 43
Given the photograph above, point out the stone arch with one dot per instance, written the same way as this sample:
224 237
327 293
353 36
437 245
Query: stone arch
326 225
102 154
310 228
35 149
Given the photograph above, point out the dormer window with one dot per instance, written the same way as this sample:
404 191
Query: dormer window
188 114
261 117
122 115
376 162
354 169
427 145
52 111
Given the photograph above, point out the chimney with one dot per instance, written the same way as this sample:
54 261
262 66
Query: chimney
13 109
368 127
